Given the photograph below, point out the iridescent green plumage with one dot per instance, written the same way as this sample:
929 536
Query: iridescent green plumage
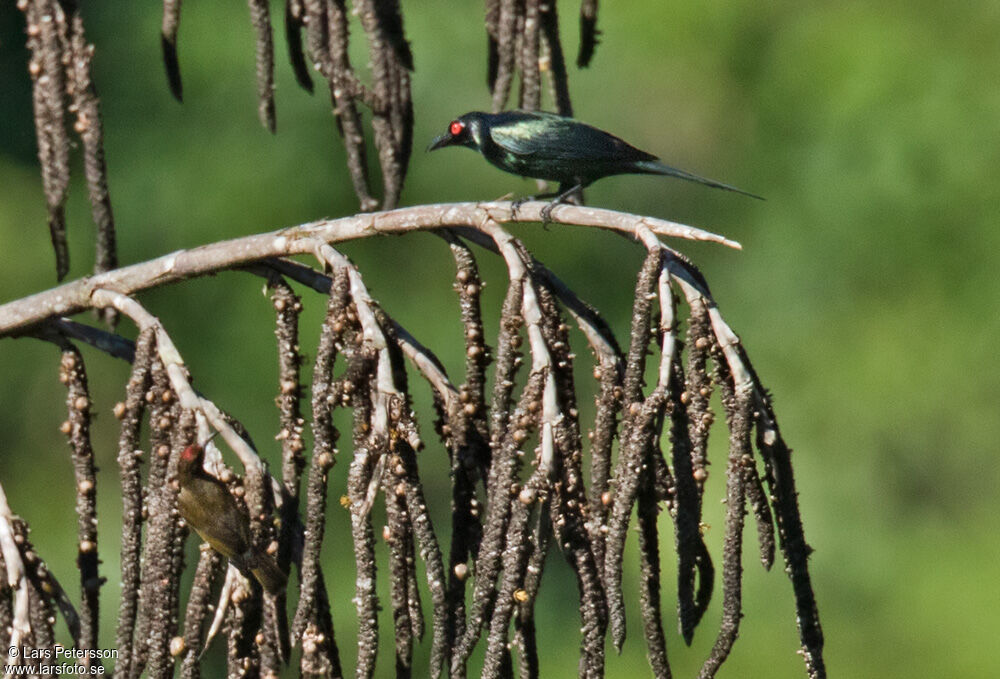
555 148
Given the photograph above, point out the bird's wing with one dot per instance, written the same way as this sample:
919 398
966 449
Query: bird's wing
545 135
208 507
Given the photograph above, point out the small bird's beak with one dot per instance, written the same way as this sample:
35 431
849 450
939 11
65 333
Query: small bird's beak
445 139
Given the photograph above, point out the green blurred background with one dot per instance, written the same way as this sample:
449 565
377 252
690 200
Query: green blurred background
866 293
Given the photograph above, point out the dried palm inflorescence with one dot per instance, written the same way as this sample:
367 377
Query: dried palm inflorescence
517 458
60 69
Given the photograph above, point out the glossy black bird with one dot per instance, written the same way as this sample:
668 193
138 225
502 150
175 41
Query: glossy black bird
552 147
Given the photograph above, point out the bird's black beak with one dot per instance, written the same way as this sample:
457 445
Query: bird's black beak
446 139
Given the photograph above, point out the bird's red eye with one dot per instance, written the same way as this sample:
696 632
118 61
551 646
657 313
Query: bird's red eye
456 128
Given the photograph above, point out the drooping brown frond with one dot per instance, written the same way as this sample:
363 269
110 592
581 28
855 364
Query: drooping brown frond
287 307
89 125
243 617
516 546
168 43
198 611
588 33
555 62
163 551
47 37
695 573
363 474
568 505
131 412
531 86
324 397
294 23
503 468
388 98
270 634
737 404
392 109
784 500
523 40
635 437
260 17
62 85
402 486
77 429
37 597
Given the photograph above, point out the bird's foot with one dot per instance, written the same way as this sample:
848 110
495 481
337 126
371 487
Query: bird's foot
564 195
546 213
516 205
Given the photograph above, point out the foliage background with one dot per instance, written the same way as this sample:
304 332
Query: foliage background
867 291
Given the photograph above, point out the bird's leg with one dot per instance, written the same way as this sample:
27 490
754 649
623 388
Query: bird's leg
573 195
516 205
559 198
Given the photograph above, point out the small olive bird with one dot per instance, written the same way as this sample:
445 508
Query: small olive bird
555 148
207 506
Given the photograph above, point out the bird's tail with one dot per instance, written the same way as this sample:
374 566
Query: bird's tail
266 570
656 167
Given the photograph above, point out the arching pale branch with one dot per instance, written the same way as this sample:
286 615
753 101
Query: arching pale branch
300 240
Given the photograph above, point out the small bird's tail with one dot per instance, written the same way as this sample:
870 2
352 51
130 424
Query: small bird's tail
266 570
656 167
